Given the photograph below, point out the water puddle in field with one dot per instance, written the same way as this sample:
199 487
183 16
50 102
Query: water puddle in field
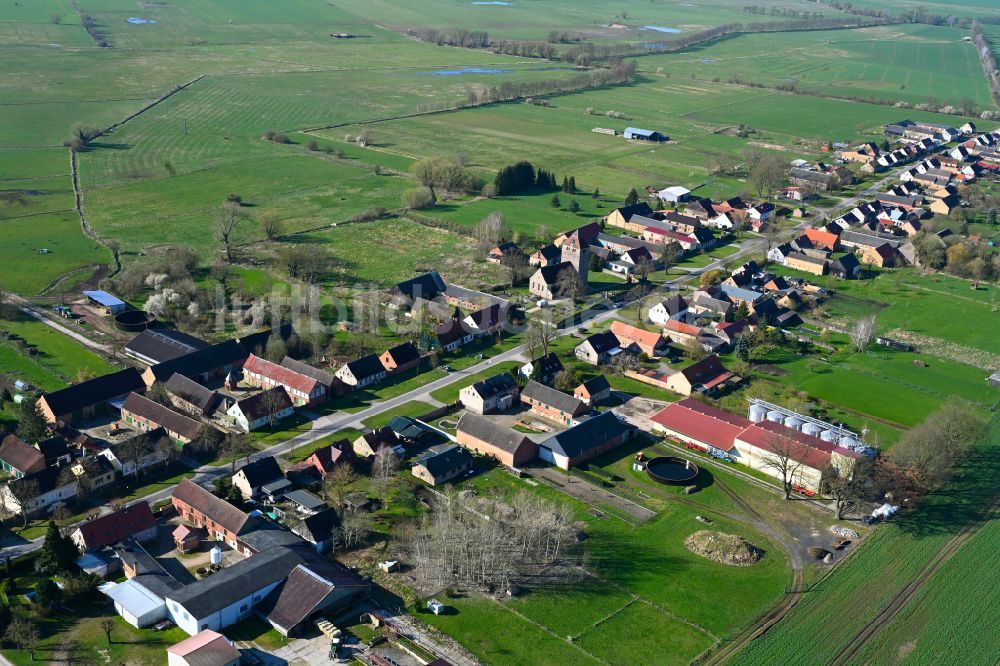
468 70
660 28
138 21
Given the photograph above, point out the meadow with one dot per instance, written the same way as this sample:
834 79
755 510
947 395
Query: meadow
849 598
646 593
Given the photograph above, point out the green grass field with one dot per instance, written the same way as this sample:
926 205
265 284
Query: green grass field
646 587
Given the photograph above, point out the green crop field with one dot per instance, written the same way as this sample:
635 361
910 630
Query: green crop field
910 63
848 599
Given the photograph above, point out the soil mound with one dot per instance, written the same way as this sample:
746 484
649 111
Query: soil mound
724 548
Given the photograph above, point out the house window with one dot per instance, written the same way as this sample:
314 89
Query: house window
244 607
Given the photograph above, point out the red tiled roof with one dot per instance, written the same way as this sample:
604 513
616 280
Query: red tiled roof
681 327
820 237
280 375
701 422
672 234
326 457
809 450
117 526
626 333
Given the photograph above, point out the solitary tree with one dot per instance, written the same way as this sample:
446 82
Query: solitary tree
767 175
384 468
632 198
270 225
227 218
234 447
847 488
32 425
23 491
538 336
338 482
107 626
861 334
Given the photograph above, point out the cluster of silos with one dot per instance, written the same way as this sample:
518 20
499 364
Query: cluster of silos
760 412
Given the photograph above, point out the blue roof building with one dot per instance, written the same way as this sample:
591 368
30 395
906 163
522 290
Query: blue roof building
644 134
111 304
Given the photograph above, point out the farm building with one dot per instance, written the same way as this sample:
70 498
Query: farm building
439 467
105 302
84 400
301 389
154 346
674 194
585 440
637 134
489 438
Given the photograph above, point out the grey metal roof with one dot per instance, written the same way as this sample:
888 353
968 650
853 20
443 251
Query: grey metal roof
588 435
491 432
553 398
305 499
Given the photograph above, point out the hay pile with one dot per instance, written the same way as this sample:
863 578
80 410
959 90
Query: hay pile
724 548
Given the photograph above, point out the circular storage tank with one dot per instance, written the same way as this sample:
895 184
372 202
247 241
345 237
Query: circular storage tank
850 443
758 413
793 422
775 416
811 429
215 555
671 470
828 436
133 321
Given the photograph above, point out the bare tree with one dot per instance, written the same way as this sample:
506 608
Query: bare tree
643 268
338 482
570 285
167 451
384 468
272 403
861 334
538 336
236 446
107 626
767 175
490 231
514 267
354 529
847 488
132 452
780 456
23 491
227 218
24 635
752 156
270 225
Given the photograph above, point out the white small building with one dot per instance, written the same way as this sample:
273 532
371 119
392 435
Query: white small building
674 194
138 605
206 648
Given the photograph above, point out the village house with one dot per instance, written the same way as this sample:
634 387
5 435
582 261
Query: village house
438 467
202 365
135 454
85 400
453 335
253 476
362 372
705 376
488 438
157 345
318 528
19 459
585 440
93 472
681 333
427 286
807 264
368 444
54 489
544 283
846 267
221 520
703 303
504 249
648 342
400 358
334 387
598 348
261 409
675 308
206 648
145 414
545 256
701 209
543 369
620 216
301 389
486 321
131 522
593 391
191 397
883 256
822 238
552 404
493 394
322 461
666 236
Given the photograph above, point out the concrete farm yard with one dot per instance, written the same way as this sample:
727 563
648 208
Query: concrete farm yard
131 130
